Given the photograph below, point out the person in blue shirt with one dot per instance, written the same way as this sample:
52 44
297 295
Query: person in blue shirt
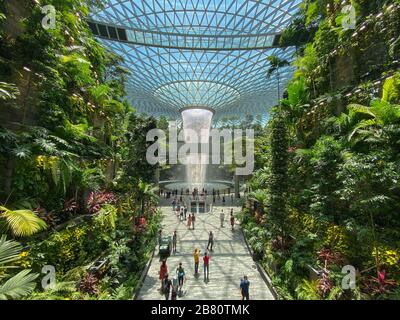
181 276
244 288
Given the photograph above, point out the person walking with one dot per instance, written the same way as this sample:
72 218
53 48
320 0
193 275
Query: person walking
178 207
181 214
173 204
174 288
167 286
189 221
223 200
185 211
244 288
222 218
196 256
206 264
210 241
193 220
159 236
163 271
174 241
232 220
181 276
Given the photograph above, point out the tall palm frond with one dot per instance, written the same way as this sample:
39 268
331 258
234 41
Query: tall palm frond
18 286
22 223
275 64
9 251
22 283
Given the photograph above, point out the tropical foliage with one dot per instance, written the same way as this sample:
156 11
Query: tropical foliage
328 160
13 285
74 180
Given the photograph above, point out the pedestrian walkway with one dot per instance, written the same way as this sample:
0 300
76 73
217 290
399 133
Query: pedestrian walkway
229 261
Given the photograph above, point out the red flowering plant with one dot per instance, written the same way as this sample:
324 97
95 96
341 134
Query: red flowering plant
380 284
325 284
89 284
96 199
140 224
328 258
70 206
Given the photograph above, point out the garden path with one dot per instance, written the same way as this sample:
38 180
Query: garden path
229 261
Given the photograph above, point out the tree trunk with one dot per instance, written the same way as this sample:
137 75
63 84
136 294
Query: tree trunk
237 186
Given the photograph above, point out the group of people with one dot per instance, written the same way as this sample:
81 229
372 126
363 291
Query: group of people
231 219
199 196
182 213
172 287
215 198
171 283
190 221
177 204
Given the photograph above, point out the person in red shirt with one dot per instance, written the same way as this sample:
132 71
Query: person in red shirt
163 272
206 261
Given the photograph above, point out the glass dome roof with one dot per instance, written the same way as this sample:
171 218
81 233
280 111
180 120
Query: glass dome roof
197 52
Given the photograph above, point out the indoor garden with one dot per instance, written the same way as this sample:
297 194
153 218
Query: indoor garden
111 177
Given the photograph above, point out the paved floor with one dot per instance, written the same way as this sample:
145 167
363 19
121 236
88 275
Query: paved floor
229 261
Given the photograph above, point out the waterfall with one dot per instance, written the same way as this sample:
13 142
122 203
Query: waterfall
198 120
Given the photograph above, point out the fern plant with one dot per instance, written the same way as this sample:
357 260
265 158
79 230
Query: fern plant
308 290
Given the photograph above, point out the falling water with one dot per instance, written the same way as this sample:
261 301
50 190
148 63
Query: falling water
198 120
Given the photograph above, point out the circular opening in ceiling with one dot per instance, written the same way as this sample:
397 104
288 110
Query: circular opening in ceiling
204 93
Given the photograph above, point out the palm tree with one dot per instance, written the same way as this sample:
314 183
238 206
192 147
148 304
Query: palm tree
275 64
21 223
294 106
20 284
146 193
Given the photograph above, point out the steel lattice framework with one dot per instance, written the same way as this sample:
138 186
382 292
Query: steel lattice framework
198 52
